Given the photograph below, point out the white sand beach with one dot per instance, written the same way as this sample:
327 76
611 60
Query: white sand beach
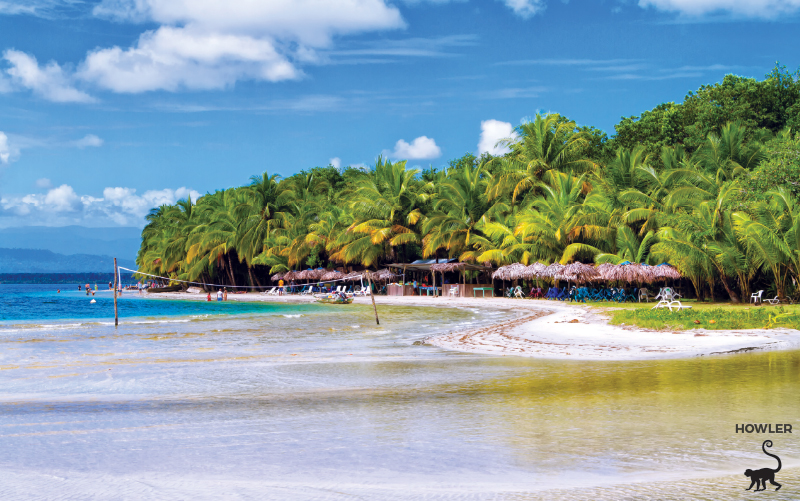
555 330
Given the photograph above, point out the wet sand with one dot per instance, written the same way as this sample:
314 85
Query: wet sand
549 329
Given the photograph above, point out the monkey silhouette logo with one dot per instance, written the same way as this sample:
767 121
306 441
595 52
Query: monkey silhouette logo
759 477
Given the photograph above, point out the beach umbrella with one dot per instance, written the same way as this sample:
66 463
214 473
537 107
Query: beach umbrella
291 275
278 276
627 272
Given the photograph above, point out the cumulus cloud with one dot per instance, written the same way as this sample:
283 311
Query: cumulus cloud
492 132
174 58
89 141
525 8
5 150
335 162
44 183
50 82
420 148
748 8
61 205
208 44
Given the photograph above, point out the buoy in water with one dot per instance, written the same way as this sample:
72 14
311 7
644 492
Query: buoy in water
92 301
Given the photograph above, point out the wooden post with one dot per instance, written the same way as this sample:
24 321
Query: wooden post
116 274
372 295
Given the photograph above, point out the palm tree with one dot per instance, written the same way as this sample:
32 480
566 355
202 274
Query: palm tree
548 143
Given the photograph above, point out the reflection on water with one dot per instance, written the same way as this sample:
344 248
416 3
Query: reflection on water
324 404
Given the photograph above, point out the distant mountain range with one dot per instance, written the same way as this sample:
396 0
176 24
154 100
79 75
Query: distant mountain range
122 243
45 261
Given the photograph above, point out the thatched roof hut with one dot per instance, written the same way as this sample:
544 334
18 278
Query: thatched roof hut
578 272
629 272
278 276
332 275
447 267
665 271
535 270
553 270
605 270
291 275
383 274
513 271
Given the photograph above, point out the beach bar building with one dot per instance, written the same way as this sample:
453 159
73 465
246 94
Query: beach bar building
436 270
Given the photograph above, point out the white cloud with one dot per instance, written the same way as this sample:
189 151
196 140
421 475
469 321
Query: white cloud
420 148
49 82
89 141
62 205
525 8
61 199
309 22
335 162
5 149
748 8
174 58
208 44
44 183
492 132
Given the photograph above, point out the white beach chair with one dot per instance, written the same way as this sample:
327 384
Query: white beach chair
755 297
518 293
644 294
774 301
339 289
269 292
672 305
453 291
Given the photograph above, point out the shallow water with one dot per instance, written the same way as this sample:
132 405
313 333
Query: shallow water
286 401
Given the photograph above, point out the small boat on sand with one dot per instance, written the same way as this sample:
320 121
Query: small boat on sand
334 299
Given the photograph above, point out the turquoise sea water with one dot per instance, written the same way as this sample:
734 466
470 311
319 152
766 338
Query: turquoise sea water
43 303
197 400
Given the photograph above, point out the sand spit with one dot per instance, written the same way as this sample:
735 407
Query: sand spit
549 329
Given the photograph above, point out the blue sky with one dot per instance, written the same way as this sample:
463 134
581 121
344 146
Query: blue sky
110 107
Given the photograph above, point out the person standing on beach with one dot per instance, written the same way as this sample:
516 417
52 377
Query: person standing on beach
225 294
280 287
219 294
208 297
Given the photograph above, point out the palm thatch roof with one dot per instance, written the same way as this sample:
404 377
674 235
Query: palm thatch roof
291 275
578 272
553 270
513 271
278 276
383 274
605 270
664 271
631 272
447 267
332 275
535 270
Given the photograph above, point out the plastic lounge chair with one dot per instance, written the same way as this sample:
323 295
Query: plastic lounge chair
644 294
756 297
453 291
774 301
518 293
269 291
672 305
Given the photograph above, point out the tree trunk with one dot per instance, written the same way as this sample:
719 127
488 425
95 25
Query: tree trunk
230 270
734 297
255 277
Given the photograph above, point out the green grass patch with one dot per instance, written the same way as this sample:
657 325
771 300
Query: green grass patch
707 317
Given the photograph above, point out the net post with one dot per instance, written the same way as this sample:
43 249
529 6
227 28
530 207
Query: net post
116 274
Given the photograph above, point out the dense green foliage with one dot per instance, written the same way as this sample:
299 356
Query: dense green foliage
709 185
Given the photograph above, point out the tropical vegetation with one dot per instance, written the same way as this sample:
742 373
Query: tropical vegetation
710 185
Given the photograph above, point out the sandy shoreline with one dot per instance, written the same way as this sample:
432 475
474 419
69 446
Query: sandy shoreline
548 329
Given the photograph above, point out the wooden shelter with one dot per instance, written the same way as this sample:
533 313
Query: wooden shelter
434 266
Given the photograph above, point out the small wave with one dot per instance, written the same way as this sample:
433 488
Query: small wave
292 316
